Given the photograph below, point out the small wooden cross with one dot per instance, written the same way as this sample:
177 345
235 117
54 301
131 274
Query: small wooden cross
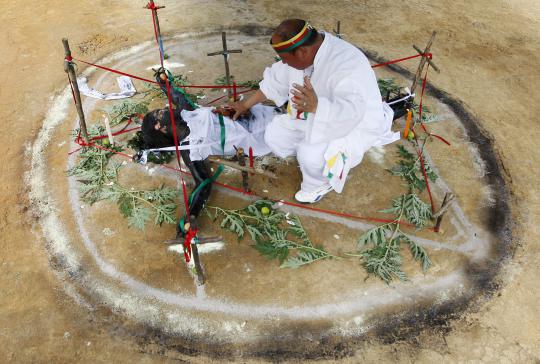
423 61
225 52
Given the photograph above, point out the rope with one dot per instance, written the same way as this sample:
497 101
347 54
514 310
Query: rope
179 89
240 190
325 211
116 71
428 55
191 233
420 109
124 130
152 81
233 86
420 151
221 97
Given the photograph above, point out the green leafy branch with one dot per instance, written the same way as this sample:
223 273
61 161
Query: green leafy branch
275 234
152 91
99 181
410 169
384 258
137 143
388 85
121 112
138 205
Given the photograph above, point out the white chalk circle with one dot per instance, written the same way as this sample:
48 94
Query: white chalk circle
199 315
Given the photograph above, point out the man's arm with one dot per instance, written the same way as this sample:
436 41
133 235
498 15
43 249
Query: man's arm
243 106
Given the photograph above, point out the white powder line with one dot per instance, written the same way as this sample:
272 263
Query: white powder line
167 65
202 248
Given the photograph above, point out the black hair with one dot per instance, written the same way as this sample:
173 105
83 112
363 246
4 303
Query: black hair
291 27
157 138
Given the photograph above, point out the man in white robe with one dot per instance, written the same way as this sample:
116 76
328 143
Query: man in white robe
335 112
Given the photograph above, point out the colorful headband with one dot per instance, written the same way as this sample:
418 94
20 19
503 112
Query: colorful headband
295 41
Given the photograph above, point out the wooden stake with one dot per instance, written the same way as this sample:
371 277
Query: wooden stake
225 52
70 70
195 253
431 63
158 29
242 163
422 62
337 31
198 268
447 201
214 159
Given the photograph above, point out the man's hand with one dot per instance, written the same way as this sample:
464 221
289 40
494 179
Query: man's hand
239 107
305 98
243 106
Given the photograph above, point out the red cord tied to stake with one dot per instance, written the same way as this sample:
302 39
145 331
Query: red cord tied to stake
427 55
152 6
69 59
191 234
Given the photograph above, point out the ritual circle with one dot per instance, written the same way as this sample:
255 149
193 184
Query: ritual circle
249 303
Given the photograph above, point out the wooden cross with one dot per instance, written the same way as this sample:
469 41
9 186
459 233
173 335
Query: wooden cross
225 52
423 61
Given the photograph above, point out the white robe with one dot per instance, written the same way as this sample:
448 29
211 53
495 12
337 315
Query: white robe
350 116
205 132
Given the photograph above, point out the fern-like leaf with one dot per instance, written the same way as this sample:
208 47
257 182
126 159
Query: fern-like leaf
418 253
384 261
268 250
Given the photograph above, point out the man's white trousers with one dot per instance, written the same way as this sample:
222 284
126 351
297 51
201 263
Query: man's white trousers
287 137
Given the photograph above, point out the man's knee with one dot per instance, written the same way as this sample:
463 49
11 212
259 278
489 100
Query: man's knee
277 141
311 155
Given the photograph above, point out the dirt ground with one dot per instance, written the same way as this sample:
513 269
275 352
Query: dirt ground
488 51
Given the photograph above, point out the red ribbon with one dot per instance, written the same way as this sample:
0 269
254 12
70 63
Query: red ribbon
288 203
221 97
153 6
117 72
187 243
428 55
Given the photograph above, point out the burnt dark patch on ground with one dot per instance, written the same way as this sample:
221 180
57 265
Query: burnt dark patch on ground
292 341
254 30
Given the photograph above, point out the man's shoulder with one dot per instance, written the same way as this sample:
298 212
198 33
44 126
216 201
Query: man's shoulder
340 45
344 56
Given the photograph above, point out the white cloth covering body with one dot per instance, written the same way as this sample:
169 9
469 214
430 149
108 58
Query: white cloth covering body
205 132
350 116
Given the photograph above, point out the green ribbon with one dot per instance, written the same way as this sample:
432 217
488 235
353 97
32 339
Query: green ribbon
222 127
215 176
182 91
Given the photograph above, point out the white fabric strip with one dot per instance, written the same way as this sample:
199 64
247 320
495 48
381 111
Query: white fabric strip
127 89
403 98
